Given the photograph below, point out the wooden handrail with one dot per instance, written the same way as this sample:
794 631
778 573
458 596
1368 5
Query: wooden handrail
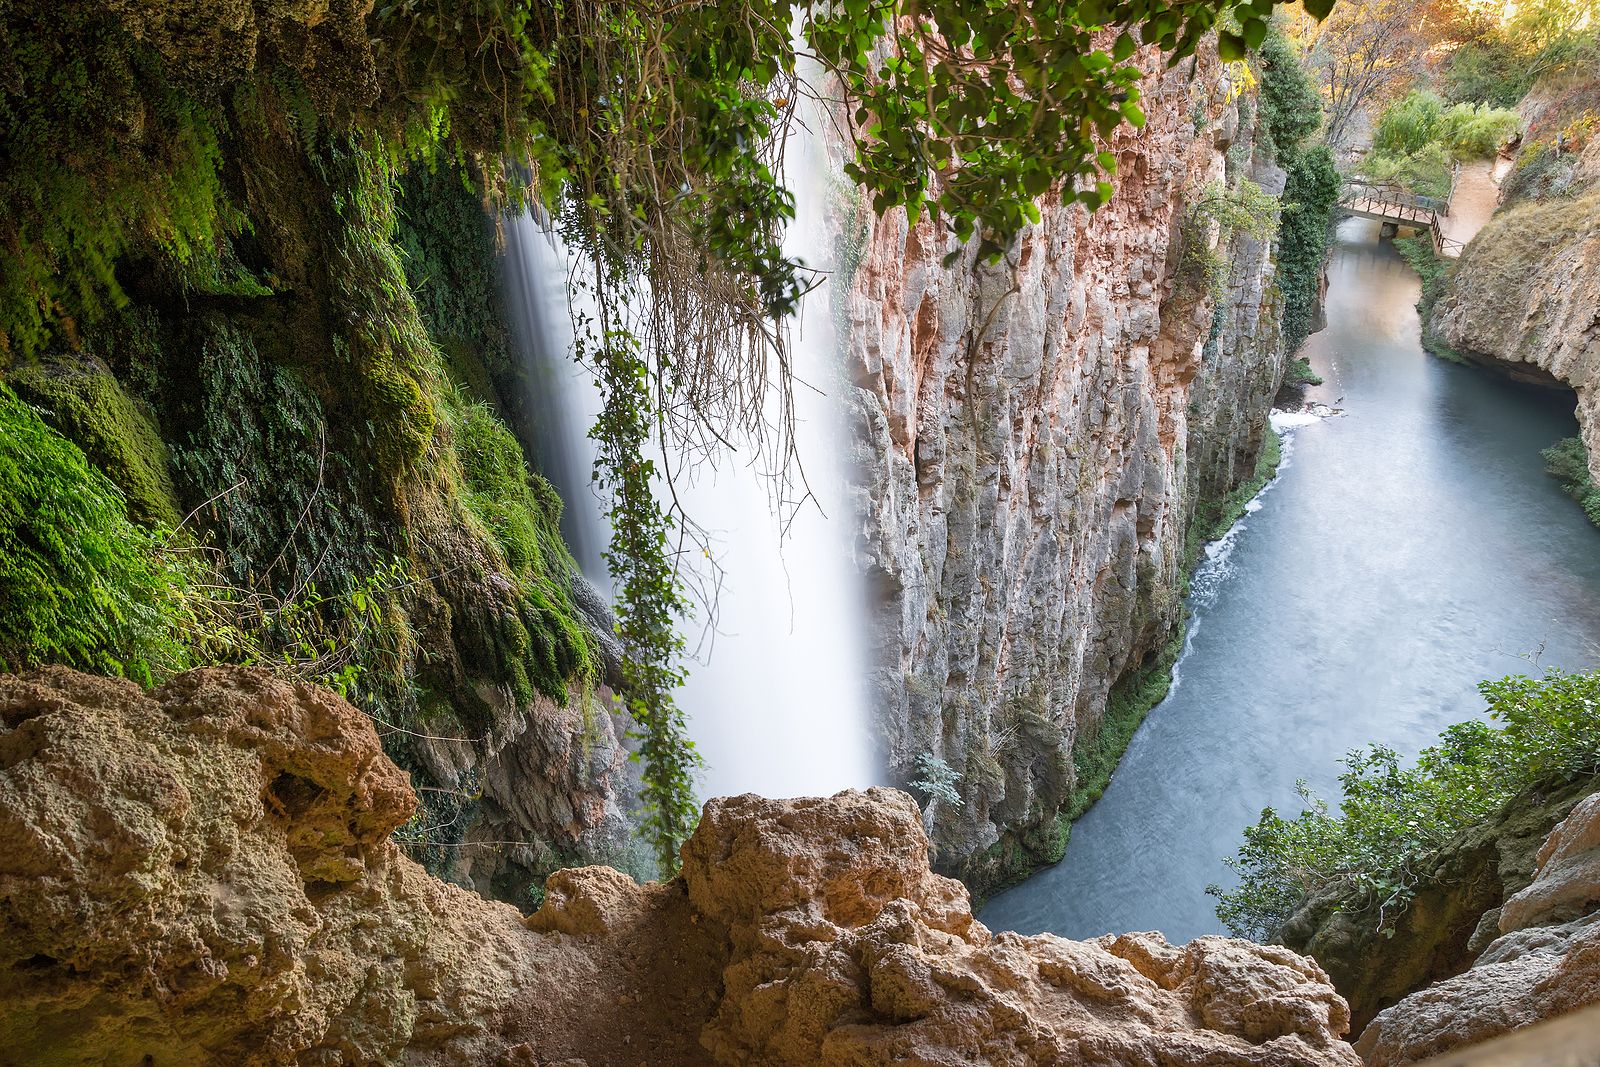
1394 204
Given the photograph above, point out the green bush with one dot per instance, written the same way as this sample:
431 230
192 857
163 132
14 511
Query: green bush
82 584
1393 817
1297 371
1568 460
1433 270
1422 118
1420 137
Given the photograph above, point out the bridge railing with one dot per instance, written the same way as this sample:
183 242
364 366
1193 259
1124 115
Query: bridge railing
1392 194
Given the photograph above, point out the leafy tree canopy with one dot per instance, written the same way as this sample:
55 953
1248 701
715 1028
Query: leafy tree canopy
656 128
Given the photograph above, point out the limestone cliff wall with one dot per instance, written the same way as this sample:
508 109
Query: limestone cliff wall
1033 435
203 874
1524 298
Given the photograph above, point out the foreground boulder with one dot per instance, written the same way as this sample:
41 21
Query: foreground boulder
1545 963
203 874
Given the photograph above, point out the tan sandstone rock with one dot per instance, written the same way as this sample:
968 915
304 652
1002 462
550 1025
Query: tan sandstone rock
1545 963
203 874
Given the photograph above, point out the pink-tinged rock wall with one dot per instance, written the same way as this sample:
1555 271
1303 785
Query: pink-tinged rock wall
1025 432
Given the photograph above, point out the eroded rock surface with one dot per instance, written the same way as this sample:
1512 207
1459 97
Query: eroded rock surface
1033 434
1545 963
202 874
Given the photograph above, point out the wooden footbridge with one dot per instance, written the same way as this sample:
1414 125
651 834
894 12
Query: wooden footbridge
1392 205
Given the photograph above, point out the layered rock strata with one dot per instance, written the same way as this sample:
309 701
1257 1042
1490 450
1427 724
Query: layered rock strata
203 874
1545 963
1025 431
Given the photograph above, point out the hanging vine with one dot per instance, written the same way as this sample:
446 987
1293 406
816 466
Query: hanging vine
653 134
651 601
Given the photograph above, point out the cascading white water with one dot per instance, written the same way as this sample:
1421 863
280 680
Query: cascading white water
777 698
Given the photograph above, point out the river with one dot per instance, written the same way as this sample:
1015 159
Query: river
1410 547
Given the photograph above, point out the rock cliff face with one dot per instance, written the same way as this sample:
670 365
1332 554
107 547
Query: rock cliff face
1546 961
1524 298
1034 434
204 874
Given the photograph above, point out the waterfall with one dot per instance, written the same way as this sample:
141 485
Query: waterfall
776 694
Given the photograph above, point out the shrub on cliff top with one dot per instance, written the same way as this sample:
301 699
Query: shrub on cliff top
1377 849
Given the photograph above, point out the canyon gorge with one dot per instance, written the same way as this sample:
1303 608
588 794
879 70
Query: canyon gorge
561 536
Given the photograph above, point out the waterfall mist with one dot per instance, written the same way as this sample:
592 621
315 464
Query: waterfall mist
776 695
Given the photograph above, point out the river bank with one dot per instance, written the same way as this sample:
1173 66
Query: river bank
1408 550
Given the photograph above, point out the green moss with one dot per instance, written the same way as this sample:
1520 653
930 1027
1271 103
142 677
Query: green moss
1213 518
1096 753
1434 272
1019 853
82 585
545 645
1568 461
1297 371
93 411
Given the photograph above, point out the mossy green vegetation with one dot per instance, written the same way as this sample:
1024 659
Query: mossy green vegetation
1297 371
1213 518
116 433
1291 115
1568 461
1434 272
1394 817
547 647
82 584
1096 753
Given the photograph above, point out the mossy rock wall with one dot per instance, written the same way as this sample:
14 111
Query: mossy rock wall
323 395
1376 960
